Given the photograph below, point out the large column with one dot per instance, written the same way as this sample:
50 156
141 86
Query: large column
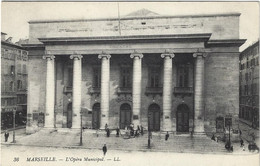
199 93
105 83
50 92
76 91
136 90
167 91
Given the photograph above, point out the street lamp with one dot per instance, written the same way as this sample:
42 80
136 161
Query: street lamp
14 112
80 141
149 139
228 144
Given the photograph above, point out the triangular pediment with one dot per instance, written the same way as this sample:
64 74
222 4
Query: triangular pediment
142 13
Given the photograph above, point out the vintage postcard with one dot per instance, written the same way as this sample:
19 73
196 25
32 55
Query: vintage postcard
129 83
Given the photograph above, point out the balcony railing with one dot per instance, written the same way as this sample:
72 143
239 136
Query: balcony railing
183 90
154 90
124 90
95 90
67 89
8 94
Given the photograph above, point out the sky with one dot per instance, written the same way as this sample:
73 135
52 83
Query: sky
15 15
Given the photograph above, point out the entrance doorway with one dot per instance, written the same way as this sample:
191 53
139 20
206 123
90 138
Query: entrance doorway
96 116
154 117
69 115
183 118
125 115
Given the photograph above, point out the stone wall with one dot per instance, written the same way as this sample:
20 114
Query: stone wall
221 87
221 27
36 91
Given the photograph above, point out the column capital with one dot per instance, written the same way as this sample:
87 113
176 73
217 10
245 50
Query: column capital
51 57
200 52
104 55
168 53
76 56
136 54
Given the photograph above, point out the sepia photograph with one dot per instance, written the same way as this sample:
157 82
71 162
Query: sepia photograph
129 83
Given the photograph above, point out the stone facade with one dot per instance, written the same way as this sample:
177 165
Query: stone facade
249 85
14 61
164 73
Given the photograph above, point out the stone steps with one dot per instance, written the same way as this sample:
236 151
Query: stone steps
175 143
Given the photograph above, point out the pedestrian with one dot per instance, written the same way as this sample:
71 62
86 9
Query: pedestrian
240 132
241 143
97 132
142 130
108 132
213 137
166 136
149 143
138 128
106 126
104 149
136 133
117 132
6 135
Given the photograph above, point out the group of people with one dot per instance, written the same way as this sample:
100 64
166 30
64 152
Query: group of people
130 131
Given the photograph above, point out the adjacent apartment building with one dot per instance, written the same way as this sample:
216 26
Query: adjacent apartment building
166 73
249 85
13 83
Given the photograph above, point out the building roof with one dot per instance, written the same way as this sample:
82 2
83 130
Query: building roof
139 14
6 43
250 47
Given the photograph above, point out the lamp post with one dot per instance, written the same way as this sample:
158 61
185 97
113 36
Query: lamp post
80 140
149 139
14 112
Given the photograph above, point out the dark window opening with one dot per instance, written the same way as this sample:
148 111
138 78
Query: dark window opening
155 77
70 77
126 77
19 85
183 76
96 77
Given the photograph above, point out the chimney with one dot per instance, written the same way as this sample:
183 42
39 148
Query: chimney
3 36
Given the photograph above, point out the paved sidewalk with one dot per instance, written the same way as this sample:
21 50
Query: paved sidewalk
176 143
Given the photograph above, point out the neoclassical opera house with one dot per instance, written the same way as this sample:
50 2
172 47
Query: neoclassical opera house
168 73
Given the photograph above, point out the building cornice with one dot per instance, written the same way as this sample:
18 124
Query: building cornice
140 38
33 46
225 43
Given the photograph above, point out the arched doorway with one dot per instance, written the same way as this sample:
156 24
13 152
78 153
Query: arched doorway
154 117
125 115
69 115
96 116
183 118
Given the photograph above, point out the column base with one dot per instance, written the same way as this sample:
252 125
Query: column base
199 133
50 129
